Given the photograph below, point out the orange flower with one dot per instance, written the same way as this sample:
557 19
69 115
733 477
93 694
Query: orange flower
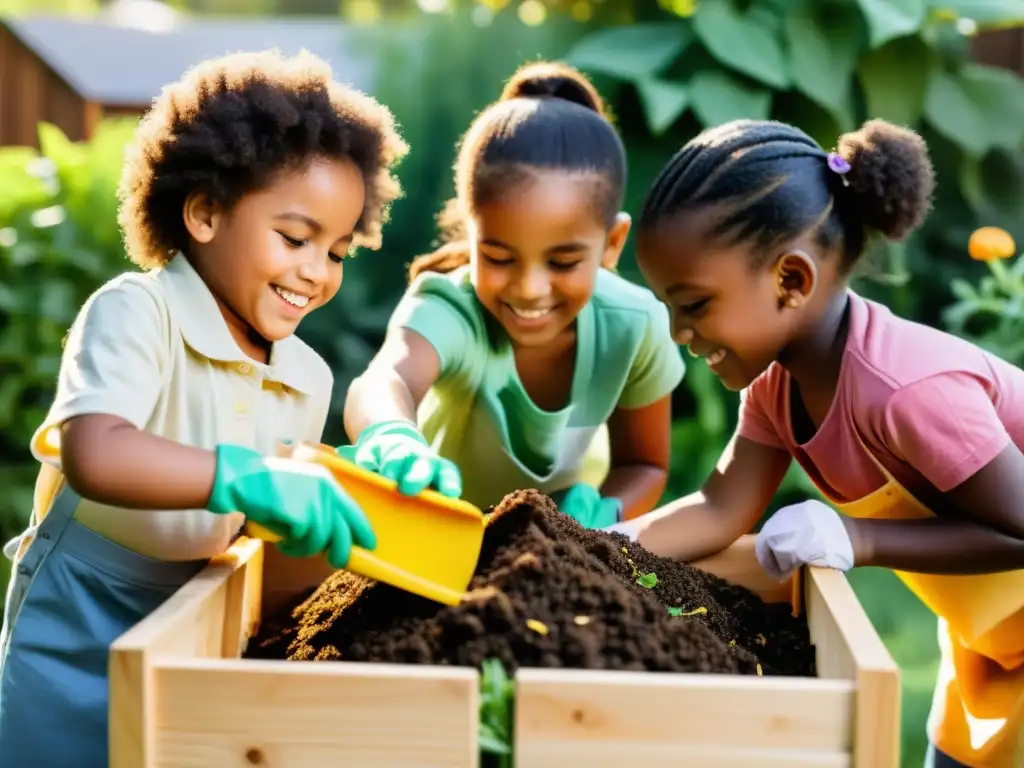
990 244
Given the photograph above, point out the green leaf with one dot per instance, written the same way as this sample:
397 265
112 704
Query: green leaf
895 80
962 290
718 97
993 186
979 109
889 19
492 745
631 53
648 580
823 50
673 611
741 43
20 189
65 154
663 102
987 14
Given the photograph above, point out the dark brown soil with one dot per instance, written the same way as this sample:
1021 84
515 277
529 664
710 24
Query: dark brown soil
549 593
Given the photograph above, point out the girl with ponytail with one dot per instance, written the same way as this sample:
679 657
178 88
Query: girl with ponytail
516 349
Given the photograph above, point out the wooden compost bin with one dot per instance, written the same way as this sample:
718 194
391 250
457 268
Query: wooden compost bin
180 695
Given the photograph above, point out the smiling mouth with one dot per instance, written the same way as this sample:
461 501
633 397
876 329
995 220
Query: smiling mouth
715 357
530 314
711 358
295 299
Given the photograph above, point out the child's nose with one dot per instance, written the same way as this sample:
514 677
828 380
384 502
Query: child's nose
314 270
534 284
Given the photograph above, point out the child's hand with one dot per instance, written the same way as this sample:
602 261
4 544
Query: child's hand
397 450
299 501
583 503
808 533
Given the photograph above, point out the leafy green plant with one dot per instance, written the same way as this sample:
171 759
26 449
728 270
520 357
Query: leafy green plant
497 714
991 314
58 243
825 65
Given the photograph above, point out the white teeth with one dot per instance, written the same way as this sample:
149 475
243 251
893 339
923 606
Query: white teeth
715 357
294 299
529 314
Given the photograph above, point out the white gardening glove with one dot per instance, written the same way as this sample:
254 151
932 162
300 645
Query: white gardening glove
630 528
808 533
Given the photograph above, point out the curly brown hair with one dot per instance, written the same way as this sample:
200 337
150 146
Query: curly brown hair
230 125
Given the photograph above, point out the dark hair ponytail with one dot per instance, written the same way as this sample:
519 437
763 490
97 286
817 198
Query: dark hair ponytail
549 117
770 182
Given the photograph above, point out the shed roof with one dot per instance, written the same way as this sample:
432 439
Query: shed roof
117 65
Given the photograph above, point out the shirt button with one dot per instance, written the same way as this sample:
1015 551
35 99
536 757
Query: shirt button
245 369
241 407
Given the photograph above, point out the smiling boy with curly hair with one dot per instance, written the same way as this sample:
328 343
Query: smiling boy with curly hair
248 182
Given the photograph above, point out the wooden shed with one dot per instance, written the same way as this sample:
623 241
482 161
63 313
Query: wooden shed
73 71
1002 48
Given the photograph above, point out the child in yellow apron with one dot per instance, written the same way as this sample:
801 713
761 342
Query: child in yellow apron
912 435
177 382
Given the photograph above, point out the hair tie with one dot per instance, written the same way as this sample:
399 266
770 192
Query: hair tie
839 165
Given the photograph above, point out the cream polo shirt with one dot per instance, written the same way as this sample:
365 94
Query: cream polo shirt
154 349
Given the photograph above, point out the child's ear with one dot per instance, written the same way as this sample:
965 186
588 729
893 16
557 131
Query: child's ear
201 216
616 241
796 277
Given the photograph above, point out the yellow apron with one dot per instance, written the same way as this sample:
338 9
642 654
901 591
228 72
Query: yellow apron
977 715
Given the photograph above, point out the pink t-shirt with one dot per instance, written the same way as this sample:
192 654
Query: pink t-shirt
931 407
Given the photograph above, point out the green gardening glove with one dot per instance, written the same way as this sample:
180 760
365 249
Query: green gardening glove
397 450
583 503
299 501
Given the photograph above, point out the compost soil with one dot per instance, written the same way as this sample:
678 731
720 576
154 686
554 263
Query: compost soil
549 593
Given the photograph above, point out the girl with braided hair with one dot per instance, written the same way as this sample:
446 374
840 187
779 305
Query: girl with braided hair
750 234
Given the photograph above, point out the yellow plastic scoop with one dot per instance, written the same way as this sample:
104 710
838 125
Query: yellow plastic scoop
427 544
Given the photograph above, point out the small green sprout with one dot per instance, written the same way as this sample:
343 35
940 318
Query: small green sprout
494 735
674 611
648 580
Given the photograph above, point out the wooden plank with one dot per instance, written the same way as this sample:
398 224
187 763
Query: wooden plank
602 718
131 706
243 600
300 715
286 578
738 563
192 622
92 115
848 647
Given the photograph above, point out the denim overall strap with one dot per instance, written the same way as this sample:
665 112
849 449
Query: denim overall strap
72 593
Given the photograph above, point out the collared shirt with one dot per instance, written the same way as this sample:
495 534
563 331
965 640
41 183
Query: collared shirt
153 348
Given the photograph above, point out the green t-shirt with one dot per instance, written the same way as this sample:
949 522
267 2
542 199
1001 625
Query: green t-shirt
478 414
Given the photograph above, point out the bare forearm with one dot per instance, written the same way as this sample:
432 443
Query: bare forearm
938 545
637 486
378 395
689 529
109 461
